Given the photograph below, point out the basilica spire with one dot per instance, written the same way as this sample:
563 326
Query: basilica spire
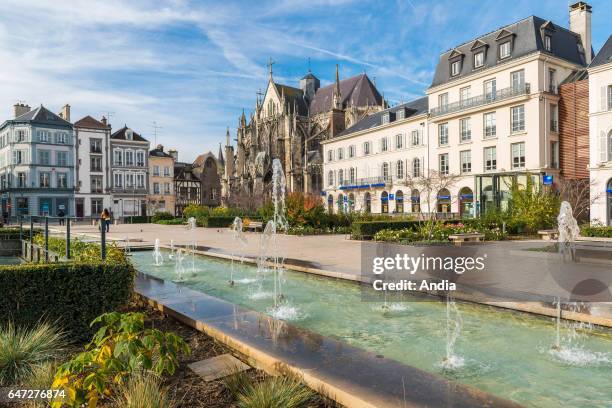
227 138
337 94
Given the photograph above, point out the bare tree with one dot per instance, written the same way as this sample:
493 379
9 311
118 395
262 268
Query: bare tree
578 193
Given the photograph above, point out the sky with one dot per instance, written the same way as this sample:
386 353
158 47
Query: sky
180 72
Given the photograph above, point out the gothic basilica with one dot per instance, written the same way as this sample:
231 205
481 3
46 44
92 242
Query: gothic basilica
289 124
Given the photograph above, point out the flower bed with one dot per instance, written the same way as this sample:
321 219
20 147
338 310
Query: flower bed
438 232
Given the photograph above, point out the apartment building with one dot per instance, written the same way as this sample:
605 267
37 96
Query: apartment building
367 166
37 163
93 192
130 173
600 132
161 185
493 117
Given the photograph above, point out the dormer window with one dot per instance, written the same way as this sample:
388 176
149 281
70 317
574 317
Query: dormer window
129 135
400 114
504 50
479 59
548 42
385 118
455 68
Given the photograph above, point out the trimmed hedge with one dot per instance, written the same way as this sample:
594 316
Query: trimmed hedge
71 294
218 221
367 229
596 232
164 215
174 221
137 219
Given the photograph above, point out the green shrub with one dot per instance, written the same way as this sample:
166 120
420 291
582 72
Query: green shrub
218 221
596 231
532 207
162 216
71 293
143 390
83 251
196 211
121 346
174 221
276 392
137 219
367 229
22 350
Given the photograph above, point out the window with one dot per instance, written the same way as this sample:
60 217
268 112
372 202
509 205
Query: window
464 95
156 170
517 115
366 148
61 137
95 163
552 81
554 155
465 128
466 161
455 68
340 176
166 171
443 163
609 97
504 50
330 178
399 141
44 157
384 144
21 179
518 155
443 134
340 153
118 180
167 188
330 155
443 99
61 159
352 175
95 145
140 180
479 59
351 151
517 78
19 156
44 179
490 89
96 184
385 171
43 136
129 158
490 158
400 114
96 206
399 169
129 180
416 167
554 118
21 136
490 129
155 188
117 157
385 118
62 180
416 138
548 43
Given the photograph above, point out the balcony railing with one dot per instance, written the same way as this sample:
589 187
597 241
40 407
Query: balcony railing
481 100
367 182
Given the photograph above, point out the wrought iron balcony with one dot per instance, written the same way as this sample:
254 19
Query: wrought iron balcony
481 100
367 182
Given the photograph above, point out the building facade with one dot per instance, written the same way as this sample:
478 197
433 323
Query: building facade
209 169
187 187
289 124
493 118
37 163
600 127
93 192
161 182
130 173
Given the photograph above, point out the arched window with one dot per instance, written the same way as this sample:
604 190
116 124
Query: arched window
340 177
330 178
352 174
384 202
340 203
466 202
400 169
330 204
399 201
367 200
416 167
351 202
385 171
415 199
444 201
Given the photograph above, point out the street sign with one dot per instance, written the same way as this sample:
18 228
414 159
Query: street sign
391 196
547 180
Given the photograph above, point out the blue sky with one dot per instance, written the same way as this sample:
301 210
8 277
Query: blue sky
192 66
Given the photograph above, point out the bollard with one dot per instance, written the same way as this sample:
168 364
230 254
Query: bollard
47 239
67 238
31 238
103 239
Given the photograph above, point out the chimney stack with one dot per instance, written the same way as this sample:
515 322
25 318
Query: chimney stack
173 153
580 23
65 113
20 108
103 121
160 147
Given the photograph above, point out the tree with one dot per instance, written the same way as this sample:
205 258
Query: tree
578 193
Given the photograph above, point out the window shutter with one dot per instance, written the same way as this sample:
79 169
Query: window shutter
603 148
602 99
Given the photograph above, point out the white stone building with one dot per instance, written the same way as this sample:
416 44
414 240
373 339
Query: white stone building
92 166
600 132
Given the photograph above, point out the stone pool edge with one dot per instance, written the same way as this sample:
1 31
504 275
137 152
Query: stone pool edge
526 307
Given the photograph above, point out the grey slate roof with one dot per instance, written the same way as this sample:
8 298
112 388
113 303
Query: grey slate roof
293 95
356 91
159 153
604 55
41 115
527 39
412 108
90 123
120 134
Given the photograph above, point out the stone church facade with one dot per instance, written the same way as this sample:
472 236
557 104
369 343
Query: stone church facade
289 124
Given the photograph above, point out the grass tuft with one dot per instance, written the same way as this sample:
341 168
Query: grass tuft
143 390
276 392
